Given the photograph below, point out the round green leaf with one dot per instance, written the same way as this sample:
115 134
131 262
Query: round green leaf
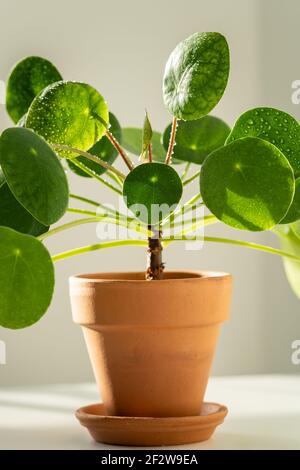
26 279
196 75
248 184
103 149
274 126
151 191
34 174
197 139
293 213
13 214
69 113
27 79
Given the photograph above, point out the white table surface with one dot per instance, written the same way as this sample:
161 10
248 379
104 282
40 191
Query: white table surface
264 413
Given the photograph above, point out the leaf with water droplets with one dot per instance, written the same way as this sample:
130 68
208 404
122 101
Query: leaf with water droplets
196 75
197 139
27 79
248 184
103 149
69 113
274 126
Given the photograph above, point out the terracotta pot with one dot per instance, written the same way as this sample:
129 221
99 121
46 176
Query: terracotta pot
151 343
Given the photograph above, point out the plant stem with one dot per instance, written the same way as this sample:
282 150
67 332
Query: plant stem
206 220
195 225
84 199
185 171
155 265
118 219
111 244
89 156
171 141
94 203
91 173
121 151
150 153
97 246
192 178
75 210
187 207
100 218
69 225
117 215
115 178
253 246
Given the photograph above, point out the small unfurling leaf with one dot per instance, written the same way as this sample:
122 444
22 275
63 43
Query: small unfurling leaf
147 137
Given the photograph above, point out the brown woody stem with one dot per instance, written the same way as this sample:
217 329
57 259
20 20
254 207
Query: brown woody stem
155 265
121 151
150 153
171 141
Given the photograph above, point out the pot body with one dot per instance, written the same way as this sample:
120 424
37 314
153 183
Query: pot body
151 343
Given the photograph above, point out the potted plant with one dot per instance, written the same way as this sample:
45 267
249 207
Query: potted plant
151 336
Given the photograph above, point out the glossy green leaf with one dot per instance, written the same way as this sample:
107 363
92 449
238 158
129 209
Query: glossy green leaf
197 139
103 149
248 184
13 214
69 113
291 243
293 213
274 126
26 279
30 76
196 75
151 191
34 174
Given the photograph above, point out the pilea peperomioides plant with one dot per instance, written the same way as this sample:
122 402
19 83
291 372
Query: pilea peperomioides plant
249 176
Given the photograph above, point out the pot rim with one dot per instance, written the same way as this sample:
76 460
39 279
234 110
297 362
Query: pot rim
137 277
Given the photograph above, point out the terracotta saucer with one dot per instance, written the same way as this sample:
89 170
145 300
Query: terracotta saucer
142 431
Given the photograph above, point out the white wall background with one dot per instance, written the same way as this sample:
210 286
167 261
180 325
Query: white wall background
121 48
